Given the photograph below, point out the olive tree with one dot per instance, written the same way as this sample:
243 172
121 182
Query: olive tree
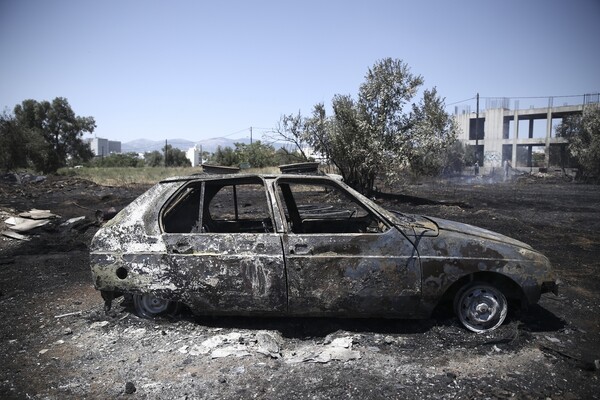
384 131
583 133
176 157
13 143
291 130
53 133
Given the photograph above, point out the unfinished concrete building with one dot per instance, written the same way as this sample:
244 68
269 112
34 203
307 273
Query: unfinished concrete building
524 136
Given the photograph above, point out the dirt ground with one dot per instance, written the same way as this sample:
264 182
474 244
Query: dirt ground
56 341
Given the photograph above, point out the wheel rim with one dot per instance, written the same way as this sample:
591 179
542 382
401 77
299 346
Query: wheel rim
148 306
154 305
482 308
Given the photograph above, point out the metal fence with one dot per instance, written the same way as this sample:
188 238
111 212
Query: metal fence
519 103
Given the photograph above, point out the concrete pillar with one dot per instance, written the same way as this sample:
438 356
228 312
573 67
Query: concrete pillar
548 134
515 139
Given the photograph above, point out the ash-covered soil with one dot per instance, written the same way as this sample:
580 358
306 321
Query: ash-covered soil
56 341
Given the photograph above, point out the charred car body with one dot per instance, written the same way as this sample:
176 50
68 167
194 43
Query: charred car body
305 245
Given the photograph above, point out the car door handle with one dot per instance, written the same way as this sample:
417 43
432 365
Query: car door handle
300 249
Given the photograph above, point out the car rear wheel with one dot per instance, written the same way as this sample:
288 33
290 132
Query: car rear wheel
480 307
148 306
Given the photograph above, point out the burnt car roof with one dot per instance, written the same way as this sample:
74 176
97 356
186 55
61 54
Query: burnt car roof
211 177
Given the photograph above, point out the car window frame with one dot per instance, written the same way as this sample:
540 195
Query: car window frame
232 181
325 181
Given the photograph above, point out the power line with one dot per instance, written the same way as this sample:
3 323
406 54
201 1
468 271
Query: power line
246 129
235 133
462 101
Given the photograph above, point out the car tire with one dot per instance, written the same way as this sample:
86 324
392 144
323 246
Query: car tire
480 307
148 306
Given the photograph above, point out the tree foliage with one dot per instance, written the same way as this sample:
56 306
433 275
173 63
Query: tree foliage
176 157
583 133
382 133
52 133
225 156
13 144
257 155
131 160
291 130
433 147
284 156
154 158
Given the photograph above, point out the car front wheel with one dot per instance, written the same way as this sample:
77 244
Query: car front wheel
148 306
480 307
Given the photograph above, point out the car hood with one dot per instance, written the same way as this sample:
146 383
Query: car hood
474 231
425 226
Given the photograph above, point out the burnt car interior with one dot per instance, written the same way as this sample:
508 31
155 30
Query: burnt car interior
228 206
311 207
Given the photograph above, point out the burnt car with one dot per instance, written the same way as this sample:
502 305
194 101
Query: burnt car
305 245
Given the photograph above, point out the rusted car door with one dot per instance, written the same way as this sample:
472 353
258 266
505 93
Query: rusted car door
227 257
341 257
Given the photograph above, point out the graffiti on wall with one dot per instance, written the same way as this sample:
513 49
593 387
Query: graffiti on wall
493 159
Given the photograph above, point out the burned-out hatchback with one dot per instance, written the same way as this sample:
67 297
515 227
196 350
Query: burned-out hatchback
305 245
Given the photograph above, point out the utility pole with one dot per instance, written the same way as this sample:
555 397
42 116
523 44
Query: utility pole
250 135
165 153
477 130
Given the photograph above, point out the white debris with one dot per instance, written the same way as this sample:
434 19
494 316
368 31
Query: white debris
14 235
217 340
338 349
99 324
14 220
183 349
72 220
38 214
552 339
237 351
29 225
336 353
135 333
344 342
269 343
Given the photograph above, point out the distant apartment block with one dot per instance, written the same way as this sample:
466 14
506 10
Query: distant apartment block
524 136
194 154
104 147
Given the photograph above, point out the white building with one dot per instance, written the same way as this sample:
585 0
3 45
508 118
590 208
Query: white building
103 147
194 154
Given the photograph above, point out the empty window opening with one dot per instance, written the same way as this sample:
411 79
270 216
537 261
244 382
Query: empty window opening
228 206
240 207
325 208
182 214
476 125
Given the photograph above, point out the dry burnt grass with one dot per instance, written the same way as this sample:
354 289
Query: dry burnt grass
56 342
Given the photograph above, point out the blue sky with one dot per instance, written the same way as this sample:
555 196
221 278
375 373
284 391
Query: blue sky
197 69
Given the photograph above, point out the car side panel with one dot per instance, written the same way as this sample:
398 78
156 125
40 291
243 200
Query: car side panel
225 273
353 274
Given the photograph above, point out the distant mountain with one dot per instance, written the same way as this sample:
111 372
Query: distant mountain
210 145
145 145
